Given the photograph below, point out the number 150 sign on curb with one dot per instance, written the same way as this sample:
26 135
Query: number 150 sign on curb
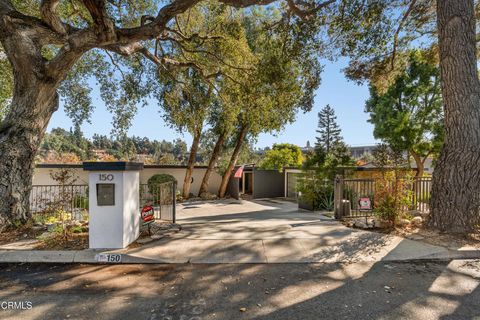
108 258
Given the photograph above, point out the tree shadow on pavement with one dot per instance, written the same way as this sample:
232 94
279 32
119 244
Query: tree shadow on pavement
378 290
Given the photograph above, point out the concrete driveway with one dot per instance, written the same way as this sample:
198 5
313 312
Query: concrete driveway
273 231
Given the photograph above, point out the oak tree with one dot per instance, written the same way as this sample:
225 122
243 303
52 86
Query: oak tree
46 41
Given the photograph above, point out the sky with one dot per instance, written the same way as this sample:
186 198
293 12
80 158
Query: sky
346 97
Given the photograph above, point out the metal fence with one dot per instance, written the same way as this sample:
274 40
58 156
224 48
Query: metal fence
349 192
69 202
163 199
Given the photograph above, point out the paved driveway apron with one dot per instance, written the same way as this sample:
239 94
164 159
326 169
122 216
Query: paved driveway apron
272 231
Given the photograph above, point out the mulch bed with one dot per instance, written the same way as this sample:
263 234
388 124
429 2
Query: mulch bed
19 234
74 241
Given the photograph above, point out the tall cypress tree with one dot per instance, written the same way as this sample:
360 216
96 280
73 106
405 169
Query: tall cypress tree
328 130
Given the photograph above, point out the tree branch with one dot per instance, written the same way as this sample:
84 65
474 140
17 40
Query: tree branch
245 3
193 36
98 12
306 14
48 13
115 64
212 54
6 7
397 32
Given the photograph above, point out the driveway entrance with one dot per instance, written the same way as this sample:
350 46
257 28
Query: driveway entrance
271 231
251 220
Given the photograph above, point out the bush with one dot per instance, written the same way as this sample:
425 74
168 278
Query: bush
157 180
392 196
317 190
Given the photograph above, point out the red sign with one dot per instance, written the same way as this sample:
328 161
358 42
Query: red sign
148 214
365 204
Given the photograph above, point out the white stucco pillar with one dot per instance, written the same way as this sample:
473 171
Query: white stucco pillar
114 205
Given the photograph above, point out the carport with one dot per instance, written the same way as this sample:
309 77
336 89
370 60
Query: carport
260 183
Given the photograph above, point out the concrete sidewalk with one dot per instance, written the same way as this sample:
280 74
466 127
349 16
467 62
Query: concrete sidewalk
248 251
268 231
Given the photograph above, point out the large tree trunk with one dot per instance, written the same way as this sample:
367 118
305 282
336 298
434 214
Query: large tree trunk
212 163
455 202
20 135
33 102
187 182
233 161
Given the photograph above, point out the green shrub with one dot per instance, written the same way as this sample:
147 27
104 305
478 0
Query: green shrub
317 190
324 197
393 194
157 180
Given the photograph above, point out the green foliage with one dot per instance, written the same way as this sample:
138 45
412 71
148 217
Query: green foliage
330 153
409 115
6 84
393 194
314 188
393 189
63 141
282 155
339 156
387 158
283 78
247 155
76 229
376 36
185 101
157 179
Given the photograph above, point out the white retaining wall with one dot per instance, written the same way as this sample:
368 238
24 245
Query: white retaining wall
42 176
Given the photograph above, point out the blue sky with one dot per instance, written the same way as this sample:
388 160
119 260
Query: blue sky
344 96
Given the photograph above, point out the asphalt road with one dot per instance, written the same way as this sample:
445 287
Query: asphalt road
439 290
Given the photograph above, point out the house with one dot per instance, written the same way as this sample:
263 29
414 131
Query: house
251 181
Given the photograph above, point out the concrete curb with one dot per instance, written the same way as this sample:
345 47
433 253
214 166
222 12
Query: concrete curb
89 257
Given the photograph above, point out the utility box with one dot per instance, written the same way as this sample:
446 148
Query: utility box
114 204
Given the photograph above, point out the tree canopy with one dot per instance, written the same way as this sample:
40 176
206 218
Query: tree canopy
282 155
409 115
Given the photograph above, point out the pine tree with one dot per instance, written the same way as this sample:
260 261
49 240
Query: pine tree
328 130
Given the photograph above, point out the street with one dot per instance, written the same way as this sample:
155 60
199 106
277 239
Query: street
362 290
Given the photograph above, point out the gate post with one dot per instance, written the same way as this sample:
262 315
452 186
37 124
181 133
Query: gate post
113 201
174 200
337 196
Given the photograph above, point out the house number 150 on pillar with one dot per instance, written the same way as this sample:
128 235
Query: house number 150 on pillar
105 177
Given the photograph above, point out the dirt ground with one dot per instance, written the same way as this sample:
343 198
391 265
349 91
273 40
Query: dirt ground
453 242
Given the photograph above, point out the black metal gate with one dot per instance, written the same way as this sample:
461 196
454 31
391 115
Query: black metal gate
163 199
349 193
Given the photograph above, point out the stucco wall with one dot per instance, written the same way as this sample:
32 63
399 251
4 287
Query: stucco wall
42 177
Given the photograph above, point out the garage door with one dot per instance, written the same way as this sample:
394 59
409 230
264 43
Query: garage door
292 185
